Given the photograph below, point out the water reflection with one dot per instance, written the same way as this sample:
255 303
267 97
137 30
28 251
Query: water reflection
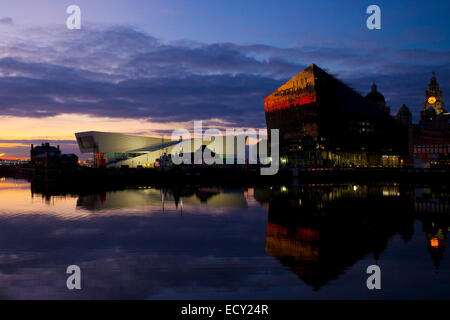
321 231
311 241
126 199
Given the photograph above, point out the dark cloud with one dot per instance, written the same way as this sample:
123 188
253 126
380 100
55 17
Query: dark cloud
121 72
7 21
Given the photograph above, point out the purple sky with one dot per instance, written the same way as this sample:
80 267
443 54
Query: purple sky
206 60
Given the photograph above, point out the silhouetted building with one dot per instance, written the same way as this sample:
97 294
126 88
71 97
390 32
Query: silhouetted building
404 116
378 99
49 156
323 122
42 155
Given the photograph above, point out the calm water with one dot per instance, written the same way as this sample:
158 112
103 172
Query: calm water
303 242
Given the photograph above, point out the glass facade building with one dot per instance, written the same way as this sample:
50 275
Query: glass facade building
325 123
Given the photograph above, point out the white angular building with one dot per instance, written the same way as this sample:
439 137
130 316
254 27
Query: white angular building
114 150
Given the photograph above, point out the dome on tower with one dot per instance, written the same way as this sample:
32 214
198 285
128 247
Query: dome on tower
404 110
375 96
404 115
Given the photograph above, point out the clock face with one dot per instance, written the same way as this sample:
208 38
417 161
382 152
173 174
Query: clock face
431 100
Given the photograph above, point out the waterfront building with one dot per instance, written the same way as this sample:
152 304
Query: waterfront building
13 162
430 138
50 156
433 98
41 155
325 123
116 150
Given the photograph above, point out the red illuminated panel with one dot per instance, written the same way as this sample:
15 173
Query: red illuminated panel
307 234
302 233
270 105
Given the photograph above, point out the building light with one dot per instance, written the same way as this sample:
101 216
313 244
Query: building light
434 242
390 193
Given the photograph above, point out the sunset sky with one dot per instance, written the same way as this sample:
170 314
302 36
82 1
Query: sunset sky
147 67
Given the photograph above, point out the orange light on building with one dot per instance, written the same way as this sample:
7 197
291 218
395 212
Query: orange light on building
434 242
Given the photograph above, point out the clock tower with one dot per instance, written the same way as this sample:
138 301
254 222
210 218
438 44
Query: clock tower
433 98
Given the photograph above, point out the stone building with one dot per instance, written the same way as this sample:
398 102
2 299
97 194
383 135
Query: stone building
430 138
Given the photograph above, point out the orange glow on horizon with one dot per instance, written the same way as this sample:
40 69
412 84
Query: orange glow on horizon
12 158
64 126
12 145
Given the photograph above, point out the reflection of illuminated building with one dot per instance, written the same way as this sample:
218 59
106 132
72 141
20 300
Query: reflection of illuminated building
318 255
323 122
432 201
432 207
296 248
319 232
436 236
134 198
